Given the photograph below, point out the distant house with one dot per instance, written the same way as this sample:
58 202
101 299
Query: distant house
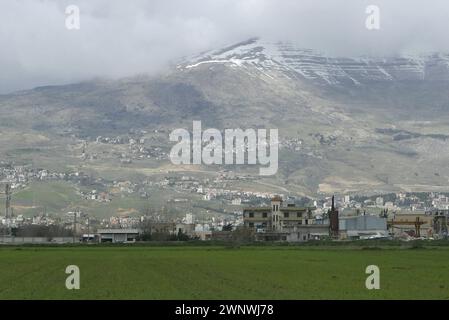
163 228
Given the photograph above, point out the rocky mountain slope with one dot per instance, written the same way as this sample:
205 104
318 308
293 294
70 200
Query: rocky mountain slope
294 61
345 124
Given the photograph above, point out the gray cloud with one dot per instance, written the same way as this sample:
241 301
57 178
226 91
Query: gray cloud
122 38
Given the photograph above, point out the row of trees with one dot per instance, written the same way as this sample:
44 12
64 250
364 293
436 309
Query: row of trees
40 231
164 236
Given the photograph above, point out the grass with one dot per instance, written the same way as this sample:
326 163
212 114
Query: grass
59 197
222 273
54 194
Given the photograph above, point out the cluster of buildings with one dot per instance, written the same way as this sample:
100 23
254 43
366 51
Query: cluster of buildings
287 222
400 215
19 176
137 149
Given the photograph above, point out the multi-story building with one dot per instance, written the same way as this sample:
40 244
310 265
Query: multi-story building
279 222
276 217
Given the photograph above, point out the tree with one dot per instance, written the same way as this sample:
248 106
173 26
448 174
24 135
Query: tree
228 227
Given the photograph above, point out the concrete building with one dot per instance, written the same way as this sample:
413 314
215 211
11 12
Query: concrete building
440 223
117 235
379 201
189 218
283 223
276 217
296 234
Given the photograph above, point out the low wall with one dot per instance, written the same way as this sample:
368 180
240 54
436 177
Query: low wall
37 240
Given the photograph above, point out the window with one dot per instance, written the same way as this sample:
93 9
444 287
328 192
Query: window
264 214
298 214
251 214
251 225
286 214
307 221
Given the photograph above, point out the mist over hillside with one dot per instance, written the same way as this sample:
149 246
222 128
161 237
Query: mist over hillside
346 124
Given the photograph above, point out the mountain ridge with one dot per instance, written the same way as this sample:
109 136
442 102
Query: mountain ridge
337 134
312 65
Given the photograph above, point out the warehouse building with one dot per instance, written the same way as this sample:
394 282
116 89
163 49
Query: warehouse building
362 227
117 235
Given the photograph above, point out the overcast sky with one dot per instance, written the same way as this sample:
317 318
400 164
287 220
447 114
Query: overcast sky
120 38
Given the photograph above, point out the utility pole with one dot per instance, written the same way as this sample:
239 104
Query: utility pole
88 229
74 224
8 213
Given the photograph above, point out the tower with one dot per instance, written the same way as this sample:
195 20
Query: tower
333 220
8 201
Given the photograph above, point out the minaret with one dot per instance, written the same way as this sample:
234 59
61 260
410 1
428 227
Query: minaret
333 220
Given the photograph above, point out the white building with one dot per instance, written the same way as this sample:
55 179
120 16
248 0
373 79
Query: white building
189 218
379 201
237 201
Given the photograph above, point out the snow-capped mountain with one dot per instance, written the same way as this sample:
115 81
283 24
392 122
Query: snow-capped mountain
292 61
361 128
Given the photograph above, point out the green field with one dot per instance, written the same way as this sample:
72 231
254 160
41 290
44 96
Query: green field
222 273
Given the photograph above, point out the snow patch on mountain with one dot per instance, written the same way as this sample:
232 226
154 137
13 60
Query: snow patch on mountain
288 59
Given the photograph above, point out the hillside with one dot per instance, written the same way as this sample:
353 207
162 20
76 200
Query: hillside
346 124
